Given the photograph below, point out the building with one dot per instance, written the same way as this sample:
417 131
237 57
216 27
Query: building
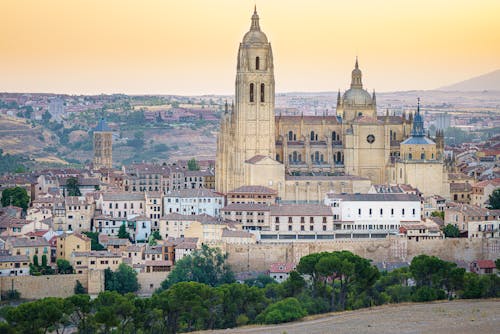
481 191
373 215
83 262
29 247
193 202
67 243
464 216
154 208
103 145
252 194
255 147
482 267
280 271
14 265
122 204
422 231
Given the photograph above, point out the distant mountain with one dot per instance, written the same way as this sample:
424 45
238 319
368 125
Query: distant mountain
488 81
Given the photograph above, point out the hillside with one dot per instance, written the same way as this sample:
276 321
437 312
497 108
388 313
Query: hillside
488 81
455 317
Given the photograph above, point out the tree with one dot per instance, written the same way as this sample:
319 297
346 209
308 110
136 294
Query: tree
494 200
207 265
438 214
94 241
285 310
123 280
72 186
497 264
193 165
260 281
122 232
46 116
451 231
64 267
16 196
79 289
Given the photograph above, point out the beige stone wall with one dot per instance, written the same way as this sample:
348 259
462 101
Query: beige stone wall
149 282
260 256
36 287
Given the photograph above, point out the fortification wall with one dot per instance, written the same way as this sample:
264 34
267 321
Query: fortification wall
393 249
150 282
36 287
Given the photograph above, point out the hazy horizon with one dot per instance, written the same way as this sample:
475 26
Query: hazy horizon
159 47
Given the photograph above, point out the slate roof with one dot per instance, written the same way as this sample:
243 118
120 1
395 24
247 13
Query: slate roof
253 190
300 210
399 197
102 126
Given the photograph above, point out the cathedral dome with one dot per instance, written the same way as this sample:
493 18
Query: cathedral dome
357 96
255 35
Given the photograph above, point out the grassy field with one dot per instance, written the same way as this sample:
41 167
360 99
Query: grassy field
455 317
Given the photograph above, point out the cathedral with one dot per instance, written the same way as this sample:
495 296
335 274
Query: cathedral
304 157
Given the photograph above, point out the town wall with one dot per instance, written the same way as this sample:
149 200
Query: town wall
150 282
36 287
392 249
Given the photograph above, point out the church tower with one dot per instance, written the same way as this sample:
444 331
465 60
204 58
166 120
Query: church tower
248 130
103 146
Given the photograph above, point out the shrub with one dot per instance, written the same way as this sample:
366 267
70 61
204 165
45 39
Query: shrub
285 310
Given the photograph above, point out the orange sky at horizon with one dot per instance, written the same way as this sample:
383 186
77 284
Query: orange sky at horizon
190 46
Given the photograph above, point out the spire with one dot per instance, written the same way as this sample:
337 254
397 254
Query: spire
418 123
374 97
356 76
255 20
338 99
225 107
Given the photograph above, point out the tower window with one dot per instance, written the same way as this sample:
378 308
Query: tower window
262 90
422 156
290 135
257 63
312 136
252 92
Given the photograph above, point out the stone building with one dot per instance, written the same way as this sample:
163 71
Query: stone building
303 157
103 146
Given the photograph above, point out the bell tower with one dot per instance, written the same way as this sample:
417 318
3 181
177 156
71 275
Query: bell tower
249 129
254 95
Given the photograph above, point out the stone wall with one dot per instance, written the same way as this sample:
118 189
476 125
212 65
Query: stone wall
36 287
150 282
393 249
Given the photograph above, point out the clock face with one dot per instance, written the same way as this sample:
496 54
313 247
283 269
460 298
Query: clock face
370 139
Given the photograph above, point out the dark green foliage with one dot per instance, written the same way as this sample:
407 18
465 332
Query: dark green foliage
79 289
438 214
64 267
123 280
122 232
341 279
94 240
494 200
207 265
285 310
497 264
451 231
12 163
193 165
16 196
260 281
73 187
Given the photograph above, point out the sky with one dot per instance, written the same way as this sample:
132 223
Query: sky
189 47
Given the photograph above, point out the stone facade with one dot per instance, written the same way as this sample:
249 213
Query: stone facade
255 147
103 146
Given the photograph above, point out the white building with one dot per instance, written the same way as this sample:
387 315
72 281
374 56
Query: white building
14 265
193 202
373 215
122 205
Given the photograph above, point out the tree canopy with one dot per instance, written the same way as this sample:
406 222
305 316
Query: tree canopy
494 200
15 196
193 165
207 265
451 231
123 280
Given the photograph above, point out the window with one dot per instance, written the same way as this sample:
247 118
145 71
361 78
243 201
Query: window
257 63
381 212
392 212
403 212
422 156
252 92
359 212
289 227
262 93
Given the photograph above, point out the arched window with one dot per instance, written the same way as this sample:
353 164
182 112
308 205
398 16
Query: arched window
300 157
294 156
257 63
290 135
409 156
339 157
277 157
316 156
422 156
322 158
262 92
289 158
390 136
312 135
334 136
432 156
251 92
